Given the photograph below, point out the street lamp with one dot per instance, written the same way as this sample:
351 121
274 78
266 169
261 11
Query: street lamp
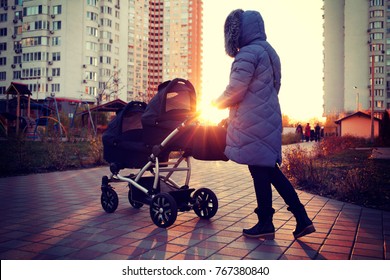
372 89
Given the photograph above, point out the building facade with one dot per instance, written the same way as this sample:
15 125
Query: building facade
99 50
356 55
175 42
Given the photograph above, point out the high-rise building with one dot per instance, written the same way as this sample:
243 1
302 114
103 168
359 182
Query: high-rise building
138 48
356 55
64 48
175 42
99 50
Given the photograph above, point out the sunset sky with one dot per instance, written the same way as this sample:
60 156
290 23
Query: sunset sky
294 28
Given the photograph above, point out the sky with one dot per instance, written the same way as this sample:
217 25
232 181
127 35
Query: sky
294 29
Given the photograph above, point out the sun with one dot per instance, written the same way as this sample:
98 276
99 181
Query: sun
209 114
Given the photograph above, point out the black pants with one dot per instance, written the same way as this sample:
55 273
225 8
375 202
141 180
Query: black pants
263 177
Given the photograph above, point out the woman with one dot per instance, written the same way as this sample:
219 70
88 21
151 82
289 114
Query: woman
255 121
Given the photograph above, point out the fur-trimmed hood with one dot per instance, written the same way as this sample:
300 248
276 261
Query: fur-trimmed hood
241 28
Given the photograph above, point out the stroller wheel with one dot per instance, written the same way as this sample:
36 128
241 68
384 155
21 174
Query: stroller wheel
109 200
206 203
163 210
135 204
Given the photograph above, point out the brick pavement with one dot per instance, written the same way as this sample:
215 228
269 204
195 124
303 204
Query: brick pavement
58 216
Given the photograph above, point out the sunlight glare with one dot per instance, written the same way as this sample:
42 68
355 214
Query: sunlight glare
210 114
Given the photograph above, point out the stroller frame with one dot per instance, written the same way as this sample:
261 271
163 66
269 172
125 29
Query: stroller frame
164 196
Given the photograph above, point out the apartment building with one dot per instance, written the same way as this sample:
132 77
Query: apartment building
175 42
65 48
99 50
356 55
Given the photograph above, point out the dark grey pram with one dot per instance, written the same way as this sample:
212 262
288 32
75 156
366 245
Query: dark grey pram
143 136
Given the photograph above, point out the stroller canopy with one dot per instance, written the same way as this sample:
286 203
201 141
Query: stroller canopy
122 141
127 121
173 103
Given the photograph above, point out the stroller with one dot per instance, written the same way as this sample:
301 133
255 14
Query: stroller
143 136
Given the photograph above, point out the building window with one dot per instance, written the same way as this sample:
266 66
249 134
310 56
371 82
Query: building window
105 47
16 75
92 31
92 2
376 24
35 10
105 35
55 87
56 25
56 41
3 46
106 10
377 81
91 91
105 59
377 13
3 61
105 72
379 104
18 15
377 58
35 41
376 3
3 3
92 16
31 72
56 56
17 59
92 60
56 72
3 32
3 17
91 46
376 36
18 30
3 76
37 25
91 76
57 10
106 22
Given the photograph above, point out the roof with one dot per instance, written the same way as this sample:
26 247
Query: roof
112 106
86 99
18 88
356 114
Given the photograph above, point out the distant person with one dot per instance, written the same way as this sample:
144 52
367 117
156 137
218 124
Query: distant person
317 131
299 131
254 133
307 132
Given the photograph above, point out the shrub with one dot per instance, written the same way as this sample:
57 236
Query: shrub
336 144
335 170
18 156
304 168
